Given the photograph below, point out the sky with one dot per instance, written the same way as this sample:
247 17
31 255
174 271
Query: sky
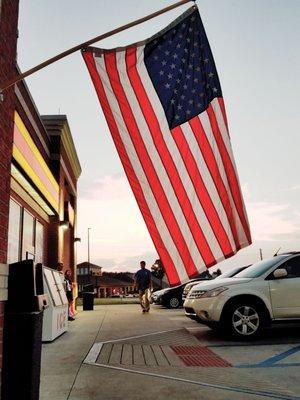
256 50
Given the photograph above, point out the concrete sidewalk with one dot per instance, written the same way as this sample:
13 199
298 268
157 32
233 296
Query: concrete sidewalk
116 352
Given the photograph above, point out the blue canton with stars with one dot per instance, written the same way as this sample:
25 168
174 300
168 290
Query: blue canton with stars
182 69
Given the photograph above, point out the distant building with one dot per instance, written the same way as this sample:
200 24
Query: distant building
105 284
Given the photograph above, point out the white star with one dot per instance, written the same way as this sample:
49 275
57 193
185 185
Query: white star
196 80
188 112
175 56
167 52
193 55
178 46
193 19
191 101
195 44
179 107
177 116
167 86
194 91
155 57
173 66
172 101
170 41
211 74
199 105
198 69
183 25
175 91
170 76
185 87
186 50
188 40
188 76
178 80
206 60
161 73
215 89
202 94
190 29
164 62
180 70
182 97
183 60
181 36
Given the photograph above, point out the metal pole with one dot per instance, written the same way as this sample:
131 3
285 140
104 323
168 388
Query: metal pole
80 46
89 260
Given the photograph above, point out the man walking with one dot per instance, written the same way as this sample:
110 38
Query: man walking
143 282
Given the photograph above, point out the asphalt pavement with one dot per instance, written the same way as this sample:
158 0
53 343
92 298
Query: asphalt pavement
115 352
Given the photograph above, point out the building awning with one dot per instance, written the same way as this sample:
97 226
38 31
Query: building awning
30 159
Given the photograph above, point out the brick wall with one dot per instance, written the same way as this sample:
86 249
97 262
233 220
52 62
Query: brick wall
8 42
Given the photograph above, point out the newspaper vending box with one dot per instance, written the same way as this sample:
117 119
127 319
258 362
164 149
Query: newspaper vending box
56 315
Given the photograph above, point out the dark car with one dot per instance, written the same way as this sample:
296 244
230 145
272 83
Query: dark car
171 297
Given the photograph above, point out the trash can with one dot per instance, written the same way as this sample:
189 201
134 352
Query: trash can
22 336
88 298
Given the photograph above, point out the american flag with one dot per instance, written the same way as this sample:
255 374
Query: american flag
163 103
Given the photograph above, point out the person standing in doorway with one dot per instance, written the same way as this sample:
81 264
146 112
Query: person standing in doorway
143 283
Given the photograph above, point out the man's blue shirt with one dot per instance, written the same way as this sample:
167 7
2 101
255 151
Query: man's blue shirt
143 279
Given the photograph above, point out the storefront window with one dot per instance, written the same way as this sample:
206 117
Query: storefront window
39 242
14 232
28 236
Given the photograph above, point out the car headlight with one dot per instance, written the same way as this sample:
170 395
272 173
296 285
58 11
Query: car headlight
197 294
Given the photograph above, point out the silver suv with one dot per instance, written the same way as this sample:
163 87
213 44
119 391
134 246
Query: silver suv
243 305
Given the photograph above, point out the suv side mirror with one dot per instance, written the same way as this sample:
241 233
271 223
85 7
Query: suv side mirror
280 273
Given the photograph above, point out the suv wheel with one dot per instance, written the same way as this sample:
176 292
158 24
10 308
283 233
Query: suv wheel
173 302
244 320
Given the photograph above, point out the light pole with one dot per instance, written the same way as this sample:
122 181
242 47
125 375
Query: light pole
89 246
89 255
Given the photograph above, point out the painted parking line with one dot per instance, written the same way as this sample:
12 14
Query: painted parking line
274 361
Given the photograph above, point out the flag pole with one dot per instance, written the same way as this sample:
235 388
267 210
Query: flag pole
65 53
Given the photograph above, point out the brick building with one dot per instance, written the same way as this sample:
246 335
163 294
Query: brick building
39 169
8 44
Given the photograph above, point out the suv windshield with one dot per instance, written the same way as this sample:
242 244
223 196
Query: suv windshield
259 268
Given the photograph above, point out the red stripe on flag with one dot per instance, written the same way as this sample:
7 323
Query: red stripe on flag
146 162
168 162
223 110
134 182
212 165
230 171
202 192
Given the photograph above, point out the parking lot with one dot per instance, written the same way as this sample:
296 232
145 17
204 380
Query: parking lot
116 352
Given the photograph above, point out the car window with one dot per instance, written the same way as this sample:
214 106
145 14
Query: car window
259 268
292 267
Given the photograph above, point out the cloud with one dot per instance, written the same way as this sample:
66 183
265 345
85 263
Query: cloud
293 188
271 221
118 231
109 187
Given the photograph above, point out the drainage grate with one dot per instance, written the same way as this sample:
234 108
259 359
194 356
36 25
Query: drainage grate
199 356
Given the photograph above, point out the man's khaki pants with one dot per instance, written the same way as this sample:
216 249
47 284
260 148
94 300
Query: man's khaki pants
144 296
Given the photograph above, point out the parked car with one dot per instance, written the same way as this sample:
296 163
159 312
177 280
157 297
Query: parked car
171 297
227 274
265 292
